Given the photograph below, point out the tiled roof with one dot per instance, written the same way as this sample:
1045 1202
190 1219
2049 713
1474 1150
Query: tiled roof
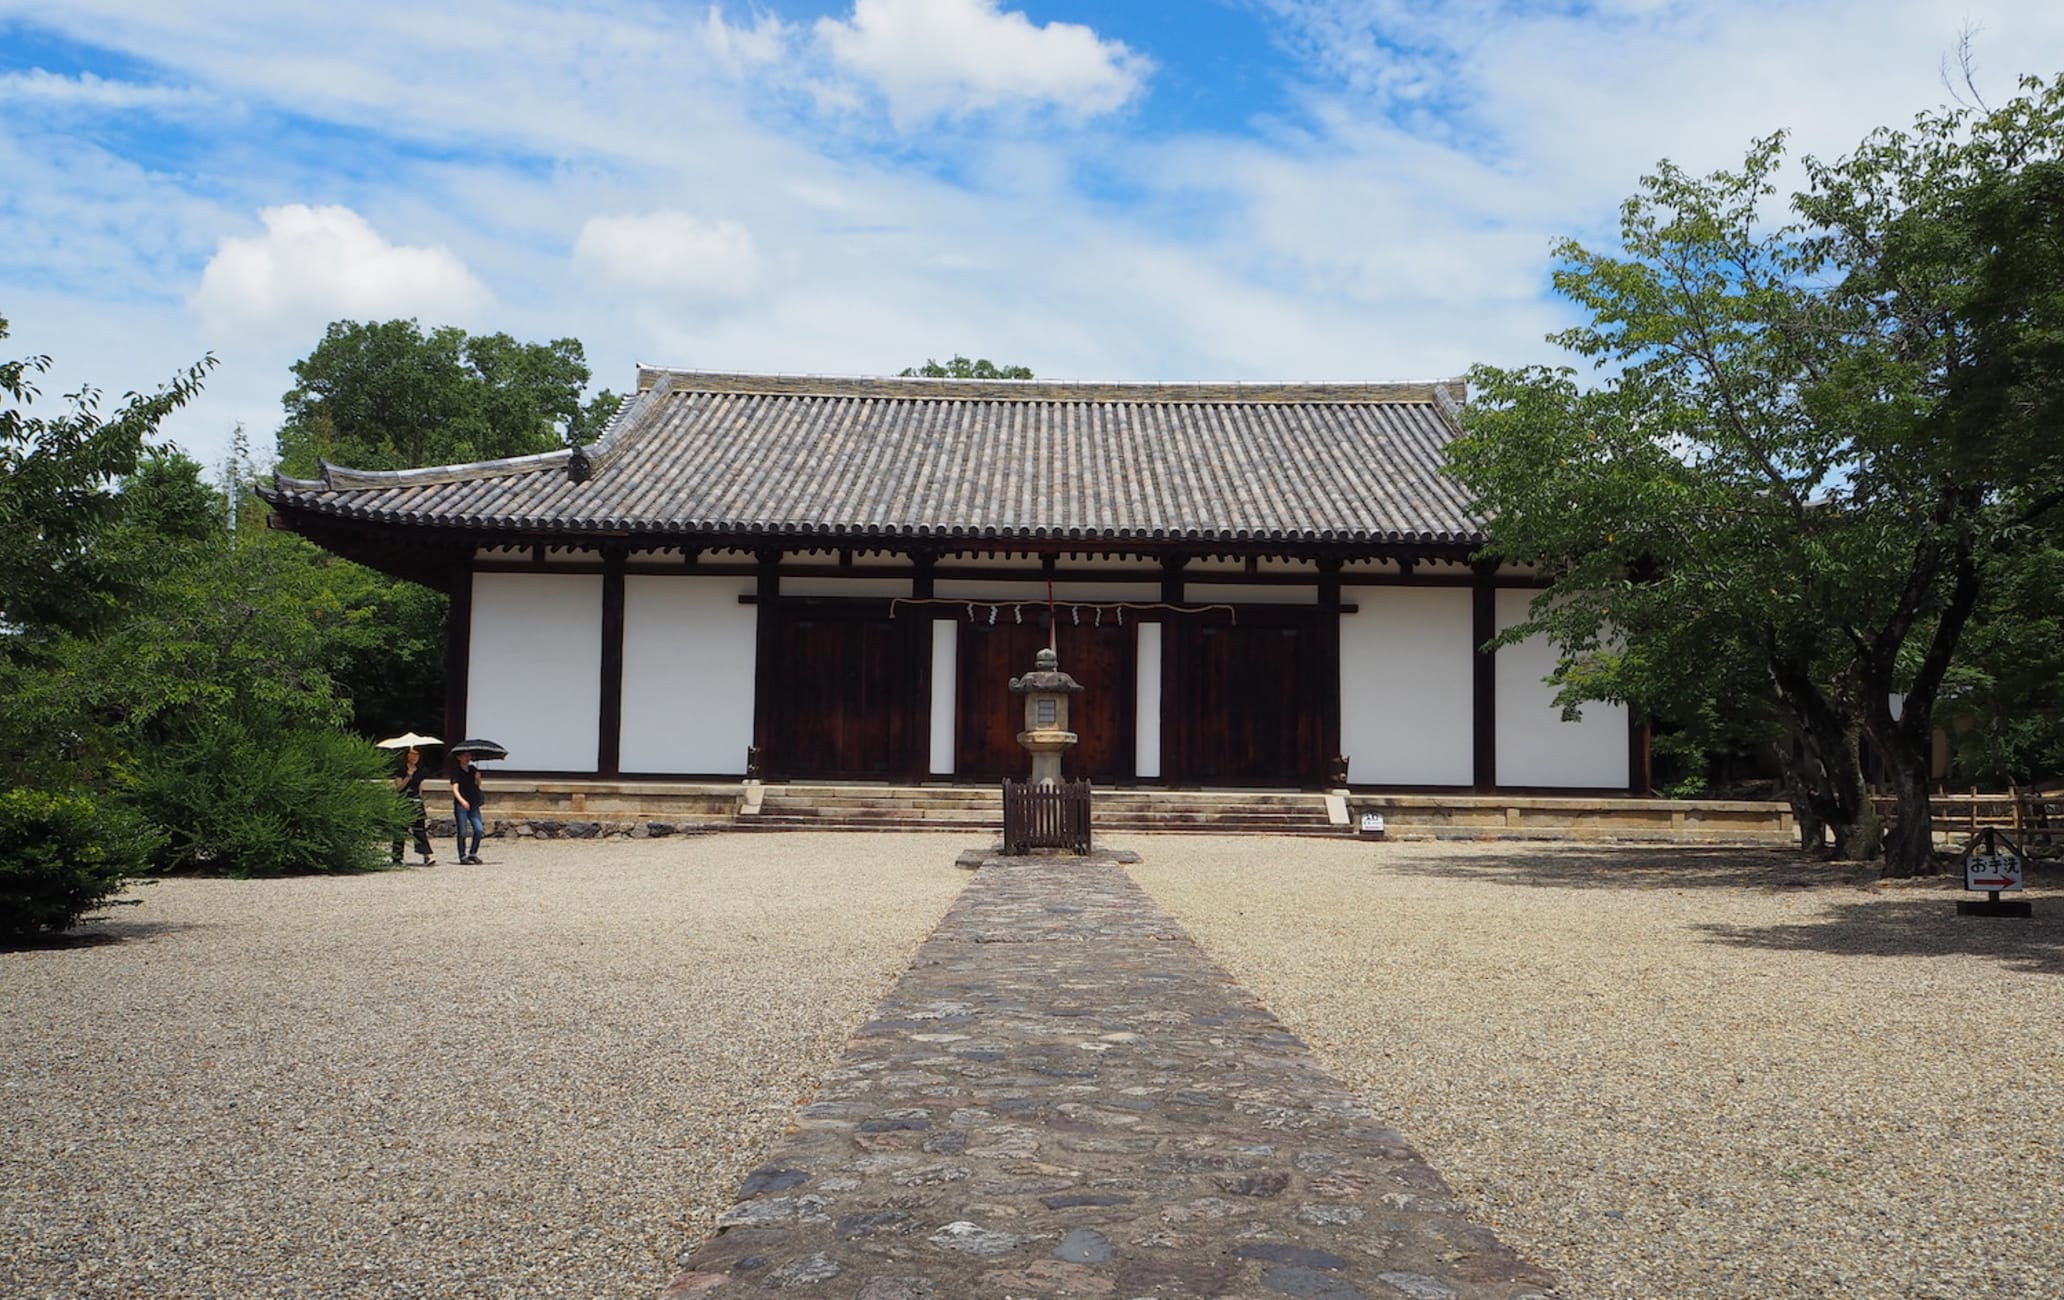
708 455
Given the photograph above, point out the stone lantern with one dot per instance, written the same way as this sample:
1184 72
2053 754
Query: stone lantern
1046 690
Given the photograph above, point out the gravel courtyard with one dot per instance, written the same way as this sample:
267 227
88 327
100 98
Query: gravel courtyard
1677 1073
1681 1073
538 1077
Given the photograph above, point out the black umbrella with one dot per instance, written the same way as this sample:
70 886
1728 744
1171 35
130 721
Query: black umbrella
478 749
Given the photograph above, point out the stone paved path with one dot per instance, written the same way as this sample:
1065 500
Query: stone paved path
1064 1096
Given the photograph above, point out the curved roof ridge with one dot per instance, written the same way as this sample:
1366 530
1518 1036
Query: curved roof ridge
342 477
1218 392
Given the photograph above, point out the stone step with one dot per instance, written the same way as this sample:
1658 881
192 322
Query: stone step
1313 805
768 822
993 805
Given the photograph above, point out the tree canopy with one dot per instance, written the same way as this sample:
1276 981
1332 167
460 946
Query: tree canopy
386 395
962 368
1815 438
58 475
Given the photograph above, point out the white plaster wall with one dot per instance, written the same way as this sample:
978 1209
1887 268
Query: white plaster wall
1535 746
1406 687
688 674
945 678
1147 704
534 674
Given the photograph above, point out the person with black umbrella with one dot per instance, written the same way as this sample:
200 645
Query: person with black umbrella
465 788
466 794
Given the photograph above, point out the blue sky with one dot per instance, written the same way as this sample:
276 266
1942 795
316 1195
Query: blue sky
1137 189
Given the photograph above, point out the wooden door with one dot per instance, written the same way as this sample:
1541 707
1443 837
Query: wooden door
847 696
990 717
1102 659
1243 704
1105 660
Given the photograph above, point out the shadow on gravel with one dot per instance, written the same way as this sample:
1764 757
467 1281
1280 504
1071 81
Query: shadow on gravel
1643 866
1926 926
98 933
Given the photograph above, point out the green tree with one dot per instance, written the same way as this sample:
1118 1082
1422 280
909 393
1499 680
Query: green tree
386 395
57 494
1817 438
154 661
211 703
2003 700
962 368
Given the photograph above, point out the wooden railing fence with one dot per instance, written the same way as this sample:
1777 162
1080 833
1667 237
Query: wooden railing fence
2034 817
1045 816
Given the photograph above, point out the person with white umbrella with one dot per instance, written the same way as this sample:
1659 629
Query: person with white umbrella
410 784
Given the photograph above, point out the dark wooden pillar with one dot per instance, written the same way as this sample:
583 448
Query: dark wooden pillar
1483 620
609 743
1326 656
766 692
1640 778
919 640
458 651
1172 579
1175 765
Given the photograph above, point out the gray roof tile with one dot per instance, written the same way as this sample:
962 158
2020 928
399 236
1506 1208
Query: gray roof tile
701 455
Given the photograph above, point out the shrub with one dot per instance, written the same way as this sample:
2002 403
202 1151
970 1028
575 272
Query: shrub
236 799
61 856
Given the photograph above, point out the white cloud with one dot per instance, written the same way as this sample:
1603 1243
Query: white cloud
672 252
763 42
951 57
1391 219
323 263
88 91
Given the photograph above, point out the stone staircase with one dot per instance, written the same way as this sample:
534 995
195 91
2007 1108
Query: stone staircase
979 809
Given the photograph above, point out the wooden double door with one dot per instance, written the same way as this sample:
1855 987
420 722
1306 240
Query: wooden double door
988 717
848 693
1244 700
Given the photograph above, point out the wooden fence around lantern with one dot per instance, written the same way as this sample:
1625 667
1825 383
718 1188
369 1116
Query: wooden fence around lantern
1045 816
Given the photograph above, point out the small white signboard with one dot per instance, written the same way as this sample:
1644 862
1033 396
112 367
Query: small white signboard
1372 823
1988 871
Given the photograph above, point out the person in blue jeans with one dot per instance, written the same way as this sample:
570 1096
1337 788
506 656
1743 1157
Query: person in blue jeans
465 789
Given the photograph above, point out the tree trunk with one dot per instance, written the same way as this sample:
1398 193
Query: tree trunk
1829 732
1812 826
1835 786
1910 848
1858 839
1809 805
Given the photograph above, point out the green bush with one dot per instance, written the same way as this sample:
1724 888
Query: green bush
236 799
61 856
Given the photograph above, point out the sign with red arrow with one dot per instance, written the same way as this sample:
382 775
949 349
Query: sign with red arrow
1992 871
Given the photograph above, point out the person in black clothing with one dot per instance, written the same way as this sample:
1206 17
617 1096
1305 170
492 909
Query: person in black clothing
410 783
465 788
